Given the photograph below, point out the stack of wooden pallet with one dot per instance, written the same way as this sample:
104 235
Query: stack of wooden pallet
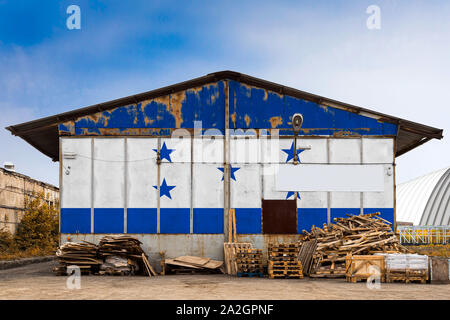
83 255
283 261
249 262
356 235
230 251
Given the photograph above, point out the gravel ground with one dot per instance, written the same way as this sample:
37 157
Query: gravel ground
36 281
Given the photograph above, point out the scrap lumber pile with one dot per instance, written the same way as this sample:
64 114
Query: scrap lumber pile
123 255
283 261
192 265
406 267
83 255
249 262
356 235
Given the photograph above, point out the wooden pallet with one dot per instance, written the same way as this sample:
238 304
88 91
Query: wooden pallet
285 276
282 258
230 249
285 250
407 276
284 245
248 251
293 262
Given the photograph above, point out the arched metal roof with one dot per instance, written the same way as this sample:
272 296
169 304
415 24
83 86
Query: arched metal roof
425 200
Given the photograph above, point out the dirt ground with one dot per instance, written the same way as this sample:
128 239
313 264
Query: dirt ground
36 281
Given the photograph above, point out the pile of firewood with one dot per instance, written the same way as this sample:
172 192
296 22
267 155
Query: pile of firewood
83 255
356 235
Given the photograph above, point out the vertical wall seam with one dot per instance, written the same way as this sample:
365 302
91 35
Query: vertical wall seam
191 219
60 186
158 183
226 155
328 193
361 194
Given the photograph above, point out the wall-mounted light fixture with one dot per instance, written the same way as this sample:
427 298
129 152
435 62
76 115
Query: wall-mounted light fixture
297 121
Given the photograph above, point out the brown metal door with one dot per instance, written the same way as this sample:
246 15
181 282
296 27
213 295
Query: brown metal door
279 216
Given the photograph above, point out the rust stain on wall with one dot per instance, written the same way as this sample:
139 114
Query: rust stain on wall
247 120
275 122
233 119
345 133
176 101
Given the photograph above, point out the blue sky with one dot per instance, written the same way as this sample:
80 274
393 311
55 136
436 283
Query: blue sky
323 47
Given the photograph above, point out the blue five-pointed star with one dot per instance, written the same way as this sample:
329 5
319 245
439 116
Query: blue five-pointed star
164 190
290 153
165 152
290 193
232 171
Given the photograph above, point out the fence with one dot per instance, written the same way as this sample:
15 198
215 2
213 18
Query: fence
424 234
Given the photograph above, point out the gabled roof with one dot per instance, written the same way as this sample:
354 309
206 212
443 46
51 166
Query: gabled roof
43 133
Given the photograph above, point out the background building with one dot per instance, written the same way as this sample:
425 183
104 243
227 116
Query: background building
167 165
425 201
14 188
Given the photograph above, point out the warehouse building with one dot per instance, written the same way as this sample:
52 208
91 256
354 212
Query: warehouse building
15 188
168 164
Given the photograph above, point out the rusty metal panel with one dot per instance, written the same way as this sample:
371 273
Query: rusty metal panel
279 216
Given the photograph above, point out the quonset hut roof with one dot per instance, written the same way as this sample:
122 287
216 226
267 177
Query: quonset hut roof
425 200
43 133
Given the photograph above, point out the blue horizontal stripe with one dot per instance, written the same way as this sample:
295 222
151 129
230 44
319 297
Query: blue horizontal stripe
75 220
205 220
108 220
142 220
175 220
308 217
208 220
248 220
342 212
385 213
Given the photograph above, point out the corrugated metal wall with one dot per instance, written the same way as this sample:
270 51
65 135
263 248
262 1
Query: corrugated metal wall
112 183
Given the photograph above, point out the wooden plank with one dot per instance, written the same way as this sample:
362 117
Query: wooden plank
230 226
181 264
213 264
148 265
193 260
234 225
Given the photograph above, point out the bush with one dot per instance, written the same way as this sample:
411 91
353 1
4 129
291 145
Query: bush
7 243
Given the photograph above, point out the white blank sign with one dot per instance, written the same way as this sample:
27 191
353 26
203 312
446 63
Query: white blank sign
320 177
